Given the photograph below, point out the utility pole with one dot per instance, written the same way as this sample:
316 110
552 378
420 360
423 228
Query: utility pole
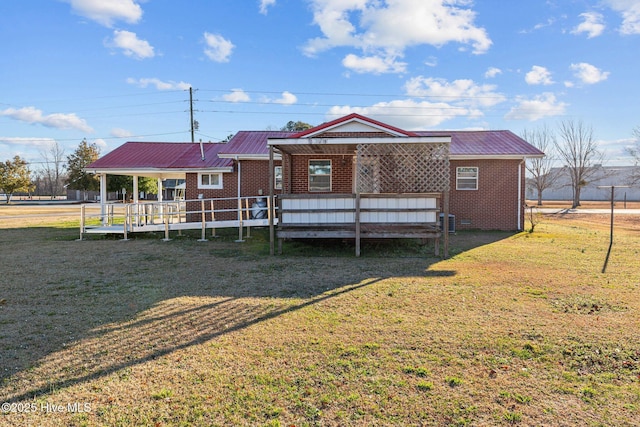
191 111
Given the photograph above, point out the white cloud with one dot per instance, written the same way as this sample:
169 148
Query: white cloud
372 26
237 95
544 105
106 12
131 45
630 11
265 4
538 76
458 98
159 84
432 61
492 72
218 48
407 114
461 92
101 143
592 25
26 141
588 74
286 98
56 120
120 133
373 64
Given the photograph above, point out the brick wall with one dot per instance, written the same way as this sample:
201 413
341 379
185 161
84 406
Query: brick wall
255 177
494 205
341 173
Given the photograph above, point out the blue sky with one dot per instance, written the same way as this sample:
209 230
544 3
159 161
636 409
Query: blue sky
113 71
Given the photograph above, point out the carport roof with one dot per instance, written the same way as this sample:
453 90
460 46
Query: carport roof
174 156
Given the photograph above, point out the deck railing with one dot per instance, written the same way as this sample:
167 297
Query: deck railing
178 215
359 216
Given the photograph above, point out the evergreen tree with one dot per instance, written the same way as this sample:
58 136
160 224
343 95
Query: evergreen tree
79 178
15 176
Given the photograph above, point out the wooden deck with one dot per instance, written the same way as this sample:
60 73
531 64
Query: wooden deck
359 216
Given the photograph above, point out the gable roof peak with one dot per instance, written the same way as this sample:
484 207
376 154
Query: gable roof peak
353 118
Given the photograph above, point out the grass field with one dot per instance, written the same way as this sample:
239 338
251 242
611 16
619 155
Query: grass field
512 329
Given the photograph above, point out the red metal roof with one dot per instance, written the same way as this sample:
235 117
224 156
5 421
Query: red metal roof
486 143
162 155
182 155
463 143
252 142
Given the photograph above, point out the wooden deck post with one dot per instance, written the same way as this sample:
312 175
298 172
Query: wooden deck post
248 211
213 218
445 199
127 221
240 222
271 204
357 219
203 237
166 228
82 211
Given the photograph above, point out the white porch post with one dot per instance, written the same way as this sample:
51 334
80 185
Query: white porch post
103 198
160 207
136 193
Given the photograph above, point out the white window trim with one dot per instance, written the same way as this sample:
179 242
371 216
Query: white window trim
477 178
210 187
329 174
277 185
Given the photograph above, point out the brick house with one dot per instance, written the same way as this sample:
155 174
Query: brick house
486 169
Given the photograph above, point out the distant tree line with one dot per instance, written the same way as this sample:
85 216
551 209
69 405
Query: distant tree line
575 148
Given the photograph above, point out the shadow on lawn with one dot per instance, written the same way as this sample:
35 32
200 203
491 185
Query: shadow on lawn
96 307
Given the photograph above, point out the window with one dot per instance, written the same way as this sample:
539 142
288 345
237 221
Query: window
210 180
319 175
277 175
467 178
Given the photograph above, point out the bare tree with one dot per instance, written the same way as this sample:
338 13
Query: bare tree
579 152
53 169
543 175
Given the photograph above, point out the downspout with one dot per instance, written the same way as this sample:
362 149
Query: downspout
520 204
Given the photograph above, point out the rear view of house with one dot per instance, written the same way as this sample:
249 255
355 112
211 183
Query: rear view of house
349 177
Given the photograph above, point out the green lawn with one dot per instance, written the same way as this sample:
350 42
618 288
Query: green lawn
513 329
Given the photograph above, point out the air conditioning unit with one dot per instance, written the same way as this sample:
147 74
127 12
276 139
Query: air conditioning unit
452 223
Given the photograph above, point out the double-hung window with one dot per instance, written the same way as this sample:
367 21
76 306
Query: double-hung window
467 178
277 174
319 175
210 181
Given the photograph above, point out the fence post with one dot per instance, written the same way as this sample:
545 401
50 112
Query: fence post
240 222
213 218
203 238
248 211
357 221
127 212
81 221
165 218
